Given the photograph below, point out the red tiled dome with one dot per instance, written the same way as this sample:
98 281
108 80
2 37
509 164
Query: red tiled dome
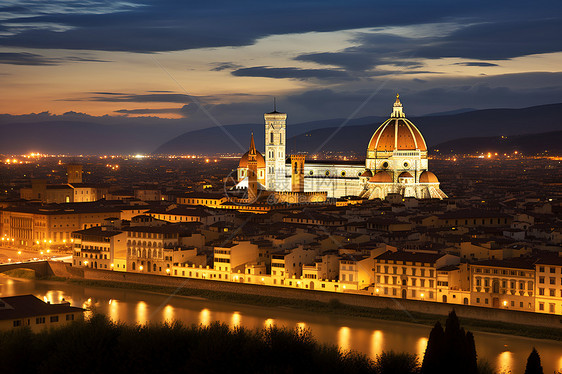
381 177
428 177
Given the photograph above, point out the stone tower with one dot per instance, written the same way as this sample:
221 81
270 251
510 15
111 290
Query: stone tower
275 134
74 173
297 173
252 172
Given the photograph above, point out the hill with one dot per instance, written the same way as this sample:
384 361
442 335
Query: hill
354 137
525 144
226 139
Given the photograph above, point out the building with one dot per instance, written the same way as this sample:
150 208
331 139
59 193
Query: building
548 278
29 311
396 163
410 275
100 248
74 191
506 284
47 225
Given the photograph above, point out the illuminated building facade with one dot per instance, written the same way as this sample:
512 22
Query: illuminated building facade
396 163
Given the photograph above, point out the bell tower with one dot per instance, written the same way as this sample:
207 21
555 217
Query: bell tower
252 172
297 173
74 173
275 136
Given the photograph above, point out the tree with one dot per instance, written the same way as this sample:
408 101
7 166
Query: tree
451 350
534 363
434 350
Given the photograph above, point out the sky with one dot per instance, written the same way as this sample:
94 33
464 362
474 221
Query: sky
209 62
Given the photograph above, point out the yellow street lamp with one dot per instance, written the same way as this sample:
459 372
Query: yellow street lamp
141 267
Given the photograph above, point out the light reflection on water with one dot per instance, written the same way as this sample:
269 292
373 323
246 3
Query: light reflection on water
504 362
344 337
205 317
377 343
372 337
141 314
421 346
168 314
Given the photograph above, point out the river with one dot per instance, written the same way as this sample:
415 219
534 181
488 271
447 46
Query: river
505 352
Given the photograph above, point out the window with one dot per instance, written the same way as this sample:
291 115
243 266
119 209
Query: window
39 320
54 318
551 308
17 323
541 306
541 291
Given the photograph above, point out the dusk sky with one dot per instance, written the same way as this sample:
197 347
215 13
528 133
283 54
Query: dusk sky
321 59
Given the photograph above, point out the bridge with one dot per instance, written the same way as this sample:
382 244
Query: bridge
41 268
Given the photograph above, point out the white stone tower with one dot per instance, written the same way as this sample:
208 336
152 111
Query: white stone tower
275 137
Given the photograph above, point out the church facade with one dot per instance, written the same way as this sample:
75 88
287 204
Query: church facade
396 162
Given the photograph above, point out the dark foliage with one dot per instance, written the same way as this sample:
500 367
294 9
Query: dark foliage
534 363
101 346
396 363
451 350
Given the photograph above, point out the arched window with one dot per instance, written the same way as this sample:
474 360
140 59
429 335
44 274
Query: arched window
144 253
155 254
133 264
296 168
271 137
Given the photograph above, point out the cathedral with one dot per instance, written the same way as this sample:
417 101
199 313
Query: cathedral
396 162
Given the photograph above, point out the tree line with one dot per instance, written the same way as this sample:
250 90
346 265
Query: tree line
99 345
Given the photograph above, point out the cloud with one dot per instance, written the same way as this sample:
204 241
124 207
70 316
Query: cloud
476 63
498 40
291 73
149 111
170 25
484 40
153 97
25 58
220 66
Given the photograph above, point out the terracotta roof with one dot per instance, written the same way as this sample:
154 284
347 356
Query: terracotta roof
405 174
381 177
397 134
244 160
428 177
25 306
410 256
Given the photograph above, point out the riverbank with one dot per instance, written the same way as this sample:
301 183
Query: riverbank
334 306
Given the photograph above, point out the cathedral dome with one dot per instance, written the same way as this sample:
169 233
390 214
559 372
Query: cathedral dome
381 177
244 161
405 174
367 174
428 177
397 133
